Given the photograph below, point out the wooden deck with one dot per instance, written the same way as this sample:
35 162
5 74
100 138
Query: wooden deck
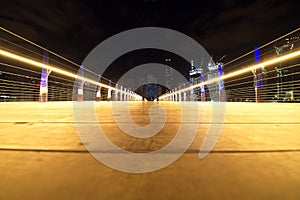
256 157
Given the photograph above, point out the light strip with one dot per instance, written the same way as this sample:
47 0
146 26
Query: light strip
238 72
262 46
59 71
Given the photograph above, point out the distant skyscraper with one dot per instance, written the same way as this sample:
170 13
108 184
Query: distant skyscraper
169 74
195 78
216 89
284 91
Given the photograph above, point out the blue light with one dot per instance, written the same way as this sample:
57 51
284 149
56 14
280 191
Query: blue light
44 78
44 74
220 70
257 54
81 73
202 86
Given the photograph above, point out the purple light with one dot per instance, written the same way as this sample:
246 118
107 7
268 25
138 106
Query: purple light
44 75
202 86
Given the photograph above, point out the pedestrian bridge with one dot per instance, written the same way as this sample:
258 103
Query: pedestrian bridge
70 133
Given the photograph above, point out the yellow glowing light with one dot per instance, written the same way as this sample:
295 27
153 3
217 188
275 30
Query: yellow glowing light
238 72
57 70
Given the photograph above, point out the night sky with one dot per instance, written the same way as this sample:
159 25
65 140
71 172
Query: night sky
74 28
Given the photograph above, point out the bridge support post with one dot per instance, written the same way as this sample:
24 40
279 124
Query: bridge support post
80 85
98 91
175 95
202 88
98 94
121 94
109 94
43 97
203 96
80 94
258 78
116 93
222 95
258 85
125 94
192 95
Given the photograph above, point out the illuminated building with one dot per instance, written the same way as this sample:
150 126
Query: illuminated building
216 89
285 92
169 74
196 76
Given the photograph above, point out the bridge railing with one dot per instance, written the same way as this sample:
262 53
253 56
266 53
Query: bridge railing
271 73
22 64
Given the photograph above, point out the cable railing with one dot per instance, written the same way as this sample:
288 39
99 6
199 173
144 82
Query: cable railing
246 78
21 65
271 73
